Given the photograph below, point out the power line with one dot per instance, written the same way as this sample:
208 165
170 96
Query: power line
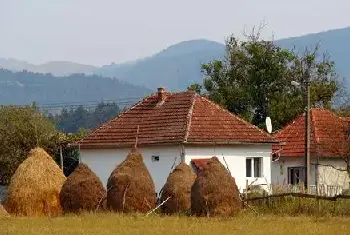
85 104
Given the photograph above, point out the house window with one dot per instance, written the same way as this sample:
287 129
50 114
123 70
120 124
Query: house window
253 167
248 167
295 175
155 158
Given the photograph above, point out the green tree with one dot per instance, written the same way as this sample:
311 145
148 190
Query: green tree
74 119
195 87
21 129
70 154
254 81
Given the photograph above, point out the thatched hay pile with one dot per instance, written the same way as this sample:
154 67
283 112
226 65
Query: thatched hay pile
178 188
34 188
130 187
82 191
3 212
215 192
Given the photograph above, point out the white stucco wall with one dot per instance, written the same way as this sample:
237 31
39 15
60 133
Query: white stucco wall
279 168
331 172
235 156
327 174
104 161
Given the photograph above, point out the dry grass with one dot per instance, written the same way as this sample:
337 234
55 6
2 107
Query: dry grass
103 224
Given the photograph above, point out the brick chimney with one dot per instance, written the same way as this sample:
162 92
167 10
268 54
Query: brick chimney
161 94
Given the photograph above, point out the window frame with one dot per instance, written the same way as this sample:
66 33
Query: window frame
253 173
155 158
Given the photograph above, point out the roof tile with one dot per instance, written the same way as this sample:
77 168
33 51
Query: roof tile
183 117
327 135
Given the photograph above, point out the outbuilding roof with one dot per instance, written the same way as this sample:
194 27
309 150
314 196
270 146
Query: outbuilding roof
328 135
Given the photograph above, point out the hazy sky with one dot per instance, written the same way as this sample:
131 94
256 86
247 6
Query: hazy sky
104 31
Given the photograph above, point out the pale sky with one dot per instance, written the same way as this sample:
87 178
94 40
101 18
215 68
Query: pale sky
103 31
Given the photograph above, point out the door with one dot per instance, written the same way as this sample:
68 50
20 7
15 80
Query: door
296 175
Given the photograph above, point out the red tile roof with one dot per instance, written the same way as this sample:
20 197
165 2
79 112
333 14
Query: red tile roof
184 117
328 137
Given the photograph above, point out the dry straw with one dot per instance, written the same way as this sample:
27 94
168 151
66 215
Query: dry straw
130 186
34 188
178 188
215 192
82 191
3 212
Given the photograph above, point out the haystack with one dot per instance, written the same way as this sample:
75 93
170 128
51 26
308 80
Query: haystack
34 188
3 212
215 192
130 186
178 188
82 191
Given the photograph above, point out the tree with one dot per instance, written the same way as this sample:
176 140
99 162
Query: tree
22 129
254 81
195 87
70 154
74 119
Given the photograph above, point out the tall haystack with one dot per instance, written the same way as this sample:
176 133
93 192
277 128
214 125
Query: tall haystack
130 187
215 193
82 191
3 212
178 188
34 188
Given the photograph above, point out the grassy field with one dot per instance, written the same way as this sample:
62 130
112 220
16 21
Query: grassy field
101 224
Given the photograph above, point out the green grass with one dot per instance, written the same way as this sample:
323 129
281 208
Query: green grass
101 224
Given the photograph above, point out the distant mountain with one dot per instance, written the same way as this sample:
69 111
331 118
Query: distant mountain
179 65
176 67
27 87
56 68
335 42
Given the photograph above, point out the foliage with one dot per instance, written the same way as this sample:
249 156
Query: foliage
254 81
70 153
195 87
70 121
22 129
343 111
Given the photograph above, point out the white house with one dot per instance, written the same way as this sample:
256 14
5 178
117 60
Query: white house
175 127
329 147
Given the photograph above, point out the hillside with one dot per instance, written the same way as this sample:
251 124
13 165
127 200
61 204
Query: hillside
179 65
334 42
175 67
56 68
26 87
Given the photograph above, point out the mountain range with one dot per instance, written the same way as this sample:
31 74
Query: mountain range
56 68
175 68
53 93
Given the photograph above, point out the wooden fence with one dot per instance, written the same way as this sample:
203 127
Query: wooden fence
320 190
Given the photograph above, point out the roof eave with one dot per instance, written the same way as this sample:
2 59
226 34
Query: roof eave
130 145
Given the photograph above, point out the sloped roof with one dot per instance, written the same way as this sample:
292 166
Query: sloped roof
183 117
328 135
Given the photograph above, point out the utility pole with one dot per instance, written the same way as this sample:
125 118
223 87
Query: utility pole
307 134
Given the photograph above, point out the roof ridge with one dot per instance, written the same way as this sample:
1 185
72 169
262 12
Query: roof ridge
189 116
236 116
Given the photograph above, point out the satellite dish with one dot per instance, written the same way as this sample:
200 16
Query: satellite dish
268 124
